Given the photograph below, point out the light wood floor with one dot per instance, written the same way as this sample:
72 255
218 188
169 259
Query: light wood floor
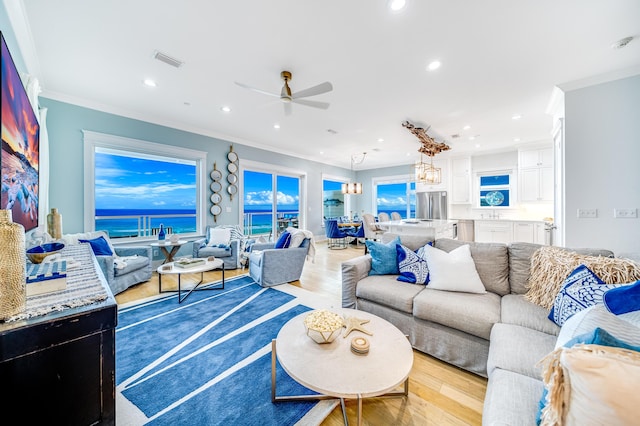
439 394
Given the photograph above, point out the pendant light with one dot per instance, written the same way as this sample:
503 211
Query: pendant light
353 187
427 173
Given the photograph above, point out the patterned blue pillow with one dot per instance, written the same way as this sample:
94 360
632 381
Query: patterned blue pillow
412 265
581 289
383 257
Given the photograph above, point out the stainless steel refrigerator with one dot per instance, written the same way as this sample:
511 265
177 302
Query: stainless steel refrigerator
431 205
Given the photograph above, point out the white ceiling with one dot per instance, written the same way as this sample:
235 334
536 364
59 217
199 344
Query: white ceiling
499 58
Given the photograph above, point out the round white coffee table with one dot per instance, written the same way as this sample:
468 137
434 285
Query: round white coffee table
334 371
171 269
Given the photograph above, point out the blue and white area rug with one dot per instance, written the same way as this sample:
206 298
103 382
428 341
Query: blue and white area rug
207 361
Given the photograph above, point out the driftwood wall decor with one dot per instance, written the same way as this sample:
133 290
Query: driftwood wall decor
428 145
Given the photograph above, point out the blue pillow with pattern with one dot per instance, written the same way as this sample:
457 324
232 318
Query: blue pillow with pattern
412 265
581 289
383 257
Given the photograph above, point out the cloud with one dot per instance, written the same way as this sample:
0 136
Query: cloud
266 197
147 190
396 201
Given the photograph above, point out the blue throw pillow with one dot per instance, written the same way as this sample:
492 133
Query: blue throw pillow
623 299
284 240
383 257
99 245
581 289
598 336
412 265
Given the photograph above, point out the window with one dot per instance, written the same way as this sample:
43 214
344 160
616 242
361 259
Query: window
138 185
395 195
495 189
262 212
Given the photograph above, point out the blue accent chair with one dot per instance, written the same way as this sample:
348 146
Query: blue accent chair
269 266
337 239
357 233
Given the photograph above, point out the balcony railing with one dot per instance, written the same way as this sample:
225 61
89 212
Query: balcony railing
261 223
147 225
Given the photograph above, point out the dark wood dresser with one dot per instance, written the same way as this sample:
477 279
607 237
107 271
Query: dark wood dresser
59 368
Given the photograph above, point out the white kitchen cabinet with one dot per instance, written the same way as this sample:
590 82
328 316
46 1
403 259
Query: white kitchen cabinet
529 232
461 180
493 231
535 172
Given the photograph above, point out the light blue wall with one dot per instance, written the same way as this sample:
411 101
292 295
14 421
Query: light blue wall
602 149
65 123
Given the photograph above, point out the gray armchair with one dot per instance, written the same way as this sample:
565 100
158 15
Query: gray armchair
126 267
269 266
229 255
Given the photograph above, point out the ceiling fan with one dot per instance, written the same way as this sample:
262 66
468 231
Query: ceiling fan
287 97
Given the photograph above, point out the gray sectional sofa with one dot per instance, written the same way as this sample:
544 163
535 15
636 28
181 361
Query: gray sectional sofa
498 335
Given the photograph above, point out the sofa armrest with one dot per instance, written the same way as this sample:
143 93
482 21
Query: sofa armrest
197 245
353 271
134 250
107 265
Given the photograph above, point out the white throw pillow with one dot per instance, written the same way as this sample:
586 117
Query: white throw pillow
297 237
218 236
453 271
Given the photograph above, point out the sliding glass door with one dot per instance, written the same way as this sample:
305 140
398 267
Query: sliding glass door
271 202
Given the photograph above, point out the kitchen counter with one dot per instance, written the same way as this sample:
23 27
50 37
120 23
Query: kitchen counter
434 228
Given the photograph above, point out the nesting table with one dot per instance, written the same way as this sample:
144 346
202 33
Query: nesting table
334 371
171 269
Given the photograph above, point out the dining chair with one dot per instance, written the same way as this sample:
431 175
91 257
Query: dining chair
383 217
337 239
395 216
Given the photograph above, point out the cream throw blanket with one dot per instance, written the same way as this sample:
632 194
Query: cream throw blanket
311 254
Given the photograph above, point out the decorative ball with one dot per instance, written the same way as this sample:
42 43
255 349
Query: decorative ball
494 198
38 253
323 326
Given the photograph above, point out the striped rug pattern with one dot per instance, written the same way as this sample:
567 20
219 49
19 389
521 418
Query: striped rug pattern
207 361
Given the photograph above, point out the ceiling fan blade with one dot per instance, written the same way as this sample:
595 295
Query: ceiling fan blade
287 108
313 91
314 104
257 90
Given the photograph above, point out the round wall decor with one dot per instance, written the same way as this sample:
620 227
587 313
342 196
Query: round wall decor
232 177
216 187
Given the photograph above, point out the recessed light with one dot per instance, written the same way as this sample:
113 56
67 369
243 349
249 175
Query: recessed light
225 109
150 83
380 140
434 65
321 152
408 154
276 126
516 139
472 138
397 5
467 127
477 145
516 117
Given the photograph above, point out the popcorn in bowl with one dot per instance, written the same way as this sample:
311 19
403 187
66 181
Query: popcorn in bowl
323 326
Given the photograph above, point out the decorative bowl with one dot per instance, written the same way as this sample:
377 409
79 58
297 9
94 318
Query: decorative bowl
323 326
38 253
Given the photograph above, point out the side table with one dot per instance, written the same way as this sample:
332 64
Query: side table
168 255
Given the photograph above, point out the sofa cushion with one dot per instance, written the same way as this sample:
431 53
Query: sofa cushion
412 265
414 242
581 289
218 237
132 263
516 310
214 251
491 261
472 313
385 290
453 271
511 399
384 258
520 265
518 349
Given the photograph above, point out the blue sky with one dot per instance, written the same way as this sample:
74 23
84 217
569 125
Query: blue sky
135 183
258 190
